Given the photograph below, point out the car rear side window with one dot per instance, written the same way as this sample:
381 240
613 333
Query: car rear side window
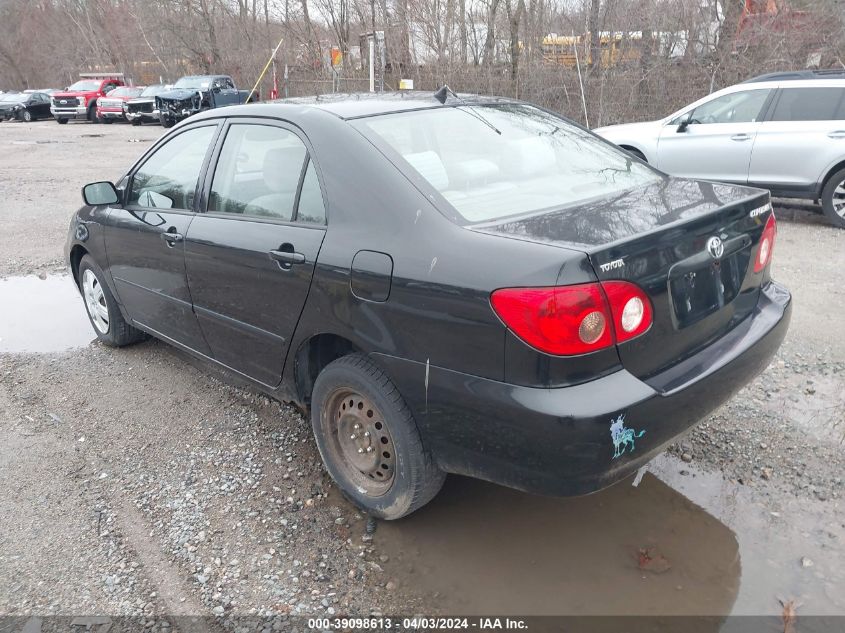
168 178
310 208
258 172
809 104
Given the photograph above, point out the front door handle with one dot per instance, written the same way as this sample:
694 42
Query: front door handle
287 258
172 238
741 137
837 134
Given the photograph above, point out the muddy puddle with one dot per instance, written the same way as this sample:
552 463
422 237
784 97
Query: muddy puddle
42 315
675 545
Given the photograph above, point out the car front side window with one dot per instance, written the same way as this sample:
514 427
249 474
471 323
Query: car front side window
258 172
168 178
736 107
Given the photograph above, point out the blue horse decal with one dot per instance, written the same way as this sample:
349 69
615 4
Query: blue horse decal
622 437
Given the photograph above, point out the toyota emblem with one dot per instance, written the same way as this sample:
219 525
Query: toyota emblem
715 247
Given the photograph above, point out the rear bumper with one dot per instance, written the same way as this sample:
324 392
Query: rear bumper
558 441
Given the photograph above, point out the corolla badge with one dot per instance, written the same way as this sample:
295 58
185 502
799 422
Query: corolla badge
616 263
715 247
622 438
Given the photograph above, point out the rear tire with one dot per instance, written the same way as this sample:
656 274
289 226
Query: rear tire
103 313
833 199
369 441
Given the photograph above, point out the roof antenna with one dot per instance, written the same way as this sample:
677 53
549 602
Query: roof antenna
441 94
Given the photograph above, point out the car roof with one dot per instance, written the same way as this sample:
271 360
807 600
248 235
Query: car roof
804 75
356 105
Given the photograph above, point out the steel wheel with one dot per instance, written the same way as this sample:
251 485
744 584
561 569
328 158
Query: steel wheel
838 200
360 440
95 301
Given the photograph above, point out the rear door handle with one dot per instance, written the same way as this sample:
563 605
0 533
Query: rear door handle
837 134
740 137
287 257
172 238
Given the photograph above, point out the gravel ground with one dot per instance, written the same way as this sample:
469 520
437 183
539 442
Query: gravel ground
139 482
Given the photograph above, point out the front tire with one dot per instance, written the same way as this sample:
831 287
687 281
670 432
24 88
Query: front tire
27 116
833 199
635 153
61 121
108 323
369 441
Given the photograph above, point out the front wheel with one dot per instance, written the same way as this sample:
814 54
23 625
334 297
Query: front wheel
369 440
27 116
833 199
166 121
635 153
108 323
61 121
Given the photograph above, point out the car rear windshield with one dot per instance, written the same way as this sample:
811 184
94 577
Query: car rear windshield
534 162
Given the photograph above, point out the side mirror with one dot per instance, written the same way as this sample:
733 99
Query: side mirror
98 193
684 124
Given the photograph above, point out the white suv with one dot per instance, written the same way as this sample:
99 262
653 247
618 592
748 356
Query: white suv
783 134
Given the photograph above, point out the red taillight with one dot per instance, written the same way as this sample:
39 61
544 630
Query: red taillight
630 307
570 320
767 244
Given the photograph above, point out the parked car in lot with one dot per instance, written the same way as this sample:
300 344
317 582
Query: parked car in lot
24 106
785 135
142 109
197 93
79 101
491 291
110 107
46 91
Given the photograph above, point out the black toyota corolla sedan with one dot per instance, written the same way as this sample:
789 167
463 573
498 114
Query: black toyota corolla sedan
476 286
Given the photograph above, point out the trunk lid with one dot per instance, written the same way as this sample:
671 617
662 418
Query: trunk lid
657 237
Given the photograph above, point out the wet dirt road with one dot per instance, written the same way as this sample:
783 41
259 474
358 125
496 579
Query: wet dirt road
138 481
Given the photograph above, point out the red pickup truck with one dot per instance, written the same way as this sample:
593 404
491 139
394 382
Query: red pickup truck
79 101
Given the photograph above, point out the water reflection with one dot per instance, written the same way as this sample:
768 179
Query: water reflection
42 315
482 549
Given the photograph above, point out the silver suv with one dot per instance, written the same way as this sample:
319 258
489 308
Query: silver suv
774 131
